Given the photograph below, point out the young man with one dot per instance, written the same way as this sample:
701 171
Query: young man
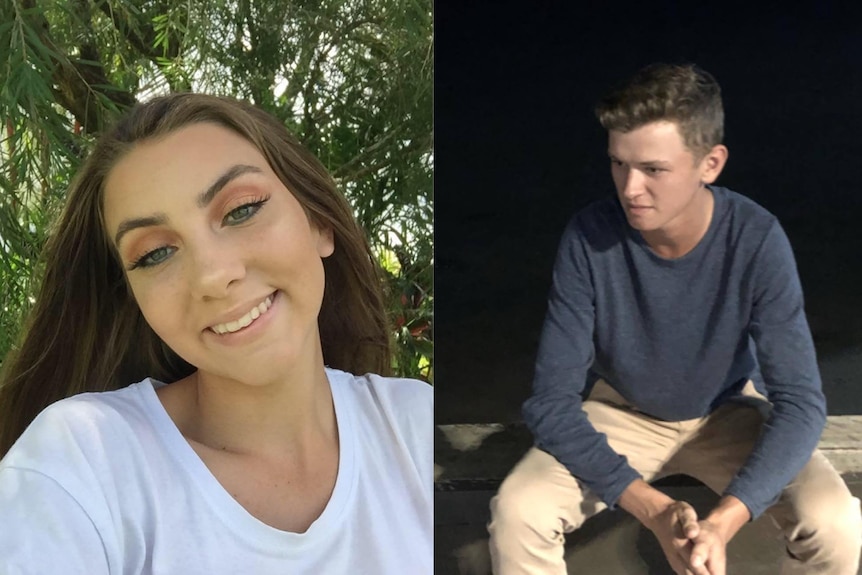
673 293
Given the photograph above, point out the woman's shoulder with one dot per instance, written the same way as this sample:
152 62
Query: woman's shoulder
389 416
400 388
79 427
391 403
76 467
390 392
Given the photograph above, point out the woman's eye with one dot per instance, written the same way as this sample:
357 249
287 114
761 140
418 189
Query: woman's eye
243 213
153 258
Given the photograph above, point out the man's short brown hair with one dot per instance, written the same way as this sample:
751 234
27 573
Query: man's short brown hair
682 94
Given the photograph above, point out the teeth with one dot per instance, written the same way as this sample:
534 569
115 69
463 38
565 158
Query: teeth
245 320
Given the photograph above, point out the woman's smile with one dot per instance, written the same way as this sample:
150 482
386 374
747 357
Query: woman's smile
254 329
246 320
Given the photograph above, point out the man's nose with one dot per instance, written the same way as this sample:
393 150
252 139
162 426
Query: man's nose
632 183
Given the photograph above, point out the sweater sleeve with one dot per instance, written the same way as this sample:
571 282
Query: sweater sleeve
785 352
554 412
44 529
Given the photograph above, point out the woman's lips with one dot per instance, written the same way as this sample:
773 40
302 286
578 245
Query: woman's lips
246 320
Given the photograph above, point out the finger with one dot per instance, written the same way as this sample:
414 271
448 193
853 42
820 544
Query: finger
678 563
699 554
688 570
702 570
687 518
681 569
697 568
717 564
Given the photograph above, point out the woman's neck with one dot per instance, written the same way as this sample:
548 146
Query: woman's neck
282 419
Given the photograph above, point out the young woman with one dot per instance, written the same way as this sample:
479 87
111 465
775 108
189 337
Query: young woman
203 247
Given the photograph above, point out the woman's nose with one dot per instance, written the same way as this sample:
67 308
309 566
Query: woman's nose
214 266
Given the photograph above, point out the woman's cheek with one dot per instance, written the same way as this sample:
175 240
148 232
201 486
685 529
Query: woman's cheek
157 295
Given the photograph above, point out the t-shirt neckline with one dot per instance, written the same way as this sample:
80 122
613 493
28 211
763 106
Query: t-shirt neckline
234 515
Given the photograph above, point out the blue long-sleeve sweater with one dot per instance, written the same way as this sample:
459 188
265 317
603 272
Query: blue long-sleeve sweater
674 338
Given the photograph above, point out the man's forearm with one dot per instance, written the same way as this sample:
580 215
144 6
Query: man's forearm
644 501
728 516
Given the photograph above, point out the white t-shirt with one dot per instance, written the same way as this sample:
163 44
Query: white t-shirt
104 483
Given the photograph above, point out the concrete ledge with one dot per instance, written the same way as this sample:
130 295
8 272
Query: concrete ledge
841 443
472 460
478 456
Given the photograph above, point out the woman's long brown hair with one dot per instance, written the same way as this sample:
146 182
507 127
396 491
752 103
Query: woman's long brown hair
86 333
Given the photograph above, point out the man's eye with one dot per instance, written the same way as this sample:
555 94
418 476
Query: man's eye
243 213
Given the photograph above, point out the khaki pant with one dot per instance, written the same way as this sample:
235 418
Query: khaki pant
540 501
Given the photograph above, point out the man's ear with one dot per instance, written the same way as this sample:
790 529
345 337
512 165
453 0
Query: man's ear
712 164
325 241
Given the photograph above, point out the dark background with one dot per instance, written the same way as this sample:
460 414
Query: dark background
517 151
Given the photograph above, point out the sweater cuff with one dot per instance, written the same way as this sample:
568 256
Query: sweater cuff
755 508
611 495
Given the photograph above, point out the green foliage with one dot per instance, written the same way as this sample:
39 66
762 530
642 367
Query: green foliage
352 78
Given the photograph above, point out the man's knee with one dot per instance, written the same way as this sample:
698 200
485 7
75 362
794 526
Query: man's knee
521 502
527 525
834 513
829 508
828 528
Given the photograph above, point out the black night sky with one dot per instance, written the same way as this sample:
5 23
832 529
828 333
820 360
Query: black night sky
517 151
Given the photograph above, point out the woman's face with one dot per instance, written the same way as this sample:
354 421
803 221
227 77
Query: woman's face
221 258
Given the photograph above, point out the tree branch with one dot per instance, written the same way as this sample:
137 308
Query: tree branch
74 79
345 175
141 35
142 38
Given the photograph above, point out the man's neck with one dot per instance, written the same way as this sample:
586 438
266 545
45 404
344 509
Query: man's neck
682 235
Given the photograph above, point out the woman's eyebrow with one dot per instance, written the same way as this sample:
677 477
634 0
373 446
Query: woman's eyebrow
236 171
203 201
128 225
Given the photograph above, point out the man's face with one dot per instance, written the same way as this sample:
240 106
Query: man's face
657 177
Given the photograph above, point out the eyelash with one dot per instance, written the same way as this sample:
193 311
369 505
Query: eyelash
254 207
